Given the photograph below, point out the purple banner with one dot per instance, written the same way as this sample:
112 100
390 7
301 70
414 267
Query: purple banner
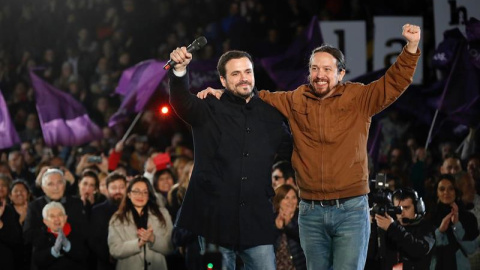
289 70
138 84
64 120
8 134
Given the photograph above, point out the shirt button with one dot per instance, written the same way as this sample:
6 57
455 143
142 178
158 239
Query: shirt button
248 130
242 203
246 154
244 178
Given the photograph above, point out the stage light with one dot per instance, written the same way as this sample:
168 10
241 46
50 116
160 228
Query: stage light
164 110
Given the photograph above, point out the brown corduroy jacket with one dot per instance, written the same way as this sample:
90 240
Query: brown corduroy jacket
330 135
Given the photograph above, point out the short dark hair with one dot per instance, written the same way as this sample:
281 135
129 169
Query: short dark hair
91 174
114 176
286 168
222 62
334 52
405 193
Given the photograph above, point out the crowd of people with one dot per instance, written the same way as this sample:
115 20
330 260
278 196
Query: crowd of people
112 204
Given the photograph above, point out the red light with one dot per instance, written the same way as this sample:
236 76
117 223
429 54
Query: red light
164 110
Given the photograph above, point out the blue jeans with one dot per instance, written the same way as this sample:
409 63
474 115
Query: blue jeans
335 237
258 257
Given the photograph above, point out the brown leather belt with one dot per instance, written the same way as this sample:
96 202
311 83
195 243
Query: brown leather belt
332 202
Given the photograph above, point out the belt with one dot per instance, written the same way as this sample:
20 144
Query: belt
332 202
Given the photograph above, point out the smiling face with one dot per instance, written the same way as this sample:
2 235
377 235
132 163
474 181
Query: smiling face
324 74
139 195
19 195
56 219
239 78
165 182
446 192
290 202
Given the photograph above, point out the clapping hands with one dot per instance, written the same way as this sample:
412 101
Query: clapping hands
451 217
145 236
61 242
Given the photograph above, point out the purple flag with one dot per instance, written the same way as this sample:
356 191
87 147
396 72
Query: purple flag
7 130
462 87
203 74
63 119
138 84
289 70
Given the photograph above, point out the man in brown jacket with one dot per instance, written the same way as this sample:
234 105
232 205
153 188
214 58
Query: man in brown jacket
330 120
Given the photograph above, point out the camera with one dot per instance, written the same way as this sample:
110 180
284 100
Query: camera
94 159
382 198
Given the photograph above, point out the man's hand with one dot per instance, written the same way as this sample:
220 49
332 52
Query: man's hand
383 221
210 91
181 57
68 175
38 181
412 35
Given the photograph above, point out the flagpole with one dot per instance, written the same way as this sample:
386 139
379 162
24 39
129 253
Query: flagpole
447 83
430 131
131 126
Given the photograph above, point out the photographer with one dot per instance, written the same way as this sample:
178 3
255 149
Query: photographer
409 239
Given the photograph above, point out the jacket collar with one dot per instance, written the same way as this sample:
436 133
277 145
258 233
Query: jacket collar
238 100
308 91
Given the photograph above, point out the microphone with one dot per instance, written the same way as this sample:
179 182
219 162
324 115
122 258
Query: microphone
196 44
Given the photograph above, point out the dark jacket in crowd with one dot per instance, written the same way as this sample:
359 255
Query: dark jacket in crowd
453 246
74 259
411 245
291 230
34 219
99 220
228 200
11 241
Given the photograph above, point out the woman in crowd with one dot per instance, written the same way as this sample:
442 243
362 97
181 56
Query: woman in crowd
163 180
186 242
11 244
88 190
20 196
177 192
289 255
140 231
456 229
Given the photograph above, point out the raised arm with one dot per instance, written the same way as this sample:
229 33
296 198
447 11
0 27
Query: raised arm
186 105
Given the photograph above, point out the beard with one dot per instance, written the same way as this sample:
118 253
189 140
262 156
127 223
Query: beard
116 199
239 89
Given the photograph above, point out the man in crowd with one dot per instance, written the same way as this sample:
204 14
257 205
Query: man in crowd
58 245
53 185
101 214
283 173
409 239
